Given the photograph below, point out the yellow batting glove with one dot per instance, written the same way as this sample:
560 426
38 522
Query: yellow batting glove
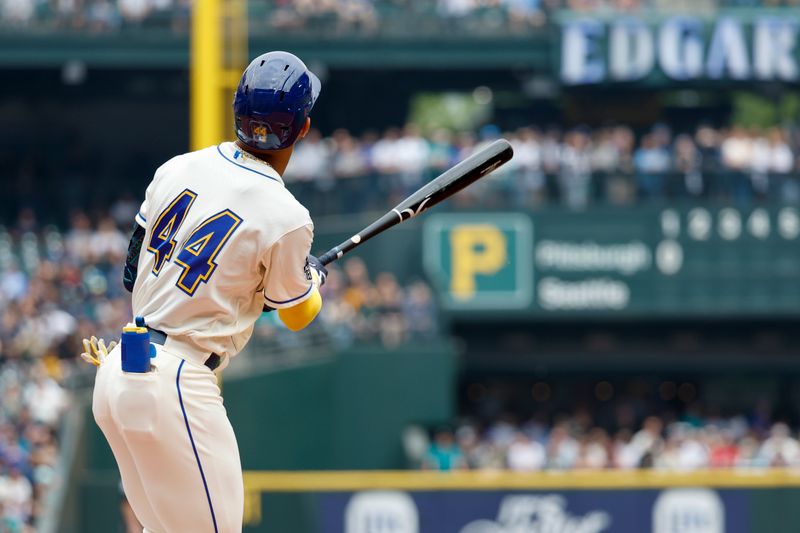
95 350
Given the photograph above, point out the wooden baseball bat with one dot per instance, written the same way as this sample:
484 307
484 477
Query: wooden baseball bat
443 186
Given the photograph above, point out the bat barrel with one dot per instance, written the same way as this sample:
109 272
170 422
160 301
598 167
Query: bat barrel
448 183
458 177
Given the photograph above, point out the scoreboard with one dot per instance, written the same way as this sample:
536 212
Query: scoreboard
605 262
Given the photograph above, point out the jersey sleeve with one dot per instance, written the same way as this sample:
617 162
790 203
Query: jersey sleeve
141 215
288 281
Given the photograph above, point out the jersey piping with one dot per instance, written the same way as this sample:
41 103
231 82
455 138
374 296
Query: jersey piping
219 150
290 300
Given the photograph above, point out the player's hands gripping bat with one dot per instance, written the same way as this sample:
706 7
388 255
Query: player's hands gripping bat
444 186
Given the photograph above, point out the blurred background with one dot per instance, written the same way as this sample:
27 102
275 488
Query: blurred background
601 336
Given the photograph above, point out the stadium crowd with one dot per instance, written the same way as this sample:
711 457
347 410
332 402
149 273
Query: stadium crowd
359 308
346 173
57 287
574 442
340 16
575 167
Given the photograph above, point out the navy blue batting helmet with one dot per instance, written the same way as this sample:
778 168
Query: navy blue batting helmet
274 97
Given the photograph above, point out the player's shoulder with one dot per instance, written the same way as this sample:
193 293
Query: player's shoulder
280 208
260 189
180 164
181 161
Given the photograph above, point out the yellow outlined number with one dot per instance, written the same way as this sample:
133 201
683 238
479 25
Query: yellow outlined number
162 242
199 250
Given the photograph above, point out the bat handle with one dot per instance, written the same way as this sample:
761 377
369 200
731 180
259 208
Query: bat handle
329 256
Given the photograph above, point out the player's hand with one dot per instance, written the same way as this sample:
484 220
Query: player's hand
316 267
316 272
95 350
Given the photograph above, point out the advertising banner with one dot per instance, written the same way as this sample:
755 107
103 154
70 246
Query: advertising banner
610 501
669 511
672 510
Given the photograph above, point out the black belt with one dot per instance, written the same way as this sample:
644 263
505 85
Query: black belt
159 337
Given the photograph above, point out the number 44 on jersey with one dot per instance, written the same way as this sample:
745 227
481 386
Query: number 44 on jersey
197 253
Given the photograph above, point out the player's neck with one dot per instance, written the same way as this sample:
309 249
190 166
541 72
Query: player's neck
277 159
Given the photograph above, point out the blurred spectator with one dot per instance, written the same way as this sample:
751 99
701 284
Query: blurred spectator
530 184
455 9
525 454
46 398
385 153
16 493
780 449
133 11
356 15
575 170
688 164
523 14
79 238
652 162
13 283
107 241
444 453
18 12
442 151
412 152
310 159
562 448
123 210
389 306
781 158
570 444
348 161
724 453
594 450
102 16
420 311
647 441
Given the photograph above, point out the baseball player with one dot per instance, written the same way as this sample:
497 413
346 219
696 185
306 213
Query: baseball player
218 239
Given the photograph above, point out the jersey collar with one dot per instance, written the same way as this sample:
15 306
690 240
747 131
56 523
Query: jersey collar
235 155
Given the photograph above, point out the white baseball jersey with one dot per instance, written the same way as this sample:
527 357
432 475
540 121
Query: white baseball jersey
224 236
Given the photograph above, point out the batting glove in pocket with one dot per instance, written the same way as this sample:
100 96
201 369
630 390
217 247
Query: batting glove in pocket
95 350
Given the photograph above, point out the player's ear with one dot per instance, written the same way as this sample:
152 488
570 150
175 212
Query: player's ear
306 127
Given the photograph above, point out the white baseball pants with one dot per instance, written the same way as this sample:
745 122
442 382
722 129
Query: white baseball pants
173 443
